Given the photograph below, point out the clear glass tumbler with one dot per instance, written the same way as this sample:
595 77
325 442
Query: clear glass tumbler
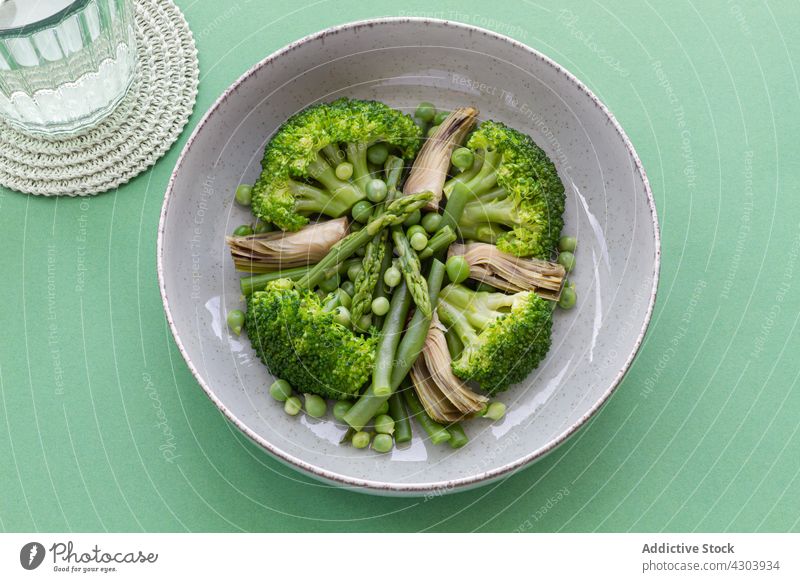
64 64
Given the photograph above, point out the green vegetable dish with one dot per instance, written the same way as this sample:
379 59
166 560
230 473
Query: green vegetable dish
400 272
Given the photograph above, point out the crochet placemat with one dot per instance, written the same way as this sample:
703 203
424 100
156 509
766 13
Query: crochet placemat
132 138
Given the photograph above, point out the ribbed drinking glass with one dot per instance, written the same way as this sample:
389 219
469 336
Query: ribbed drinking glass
64 64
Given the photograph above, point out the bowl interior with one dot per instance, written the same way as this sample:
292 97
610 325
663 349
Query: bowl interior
404 62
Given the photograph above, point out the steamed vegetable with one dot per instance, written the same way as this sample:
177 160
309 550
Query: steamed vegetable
504 337
517 197
488 264
299 177
273 251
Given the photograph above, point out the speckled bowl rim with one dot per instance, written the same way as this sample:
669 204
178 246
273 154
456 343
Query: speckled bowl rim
368 485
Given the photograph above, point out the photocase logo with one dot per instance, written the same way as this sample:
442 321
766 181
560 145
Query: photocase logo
31 555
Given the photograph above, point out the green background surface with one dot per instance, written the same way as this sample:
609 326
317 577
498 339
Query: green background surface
701 435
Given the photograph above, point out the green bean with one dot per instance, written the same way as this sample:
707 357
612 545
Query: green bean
250 285
458 438
407 352
496 410
455 206
454 345
397 410
388 341
437 433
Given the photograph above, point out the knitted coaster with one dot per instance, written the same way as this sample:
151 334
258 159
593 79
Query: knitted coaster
136 134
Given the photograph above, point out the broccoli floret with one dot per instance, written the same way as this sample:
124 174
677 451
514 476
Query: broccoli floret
518 197
298 176
504 336
300 342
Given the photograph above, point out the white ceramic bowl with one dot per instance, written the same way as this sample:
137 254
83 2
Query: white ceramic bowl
403 61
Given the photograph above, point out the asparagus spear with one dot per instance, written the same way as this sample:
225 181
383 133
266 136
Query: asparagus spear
410 267
394 214
407 352
373 257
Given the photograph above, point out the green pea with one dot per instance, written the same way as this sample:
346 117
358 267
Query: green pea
361 211
485 287
262 227
378 153
376 190
244 194
361 440
426 111
236 320
354 271
413 229
567 243
412 219
380 306
243 230
440 117
344 171
340 409
292 406
383 408
329 285
348 288
382 443
568 298
566 260
280 390
432 130
341 315
431 222
315 405
361 251
355 226
418 241
392 277
457 268
462 158
496 411
384 424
